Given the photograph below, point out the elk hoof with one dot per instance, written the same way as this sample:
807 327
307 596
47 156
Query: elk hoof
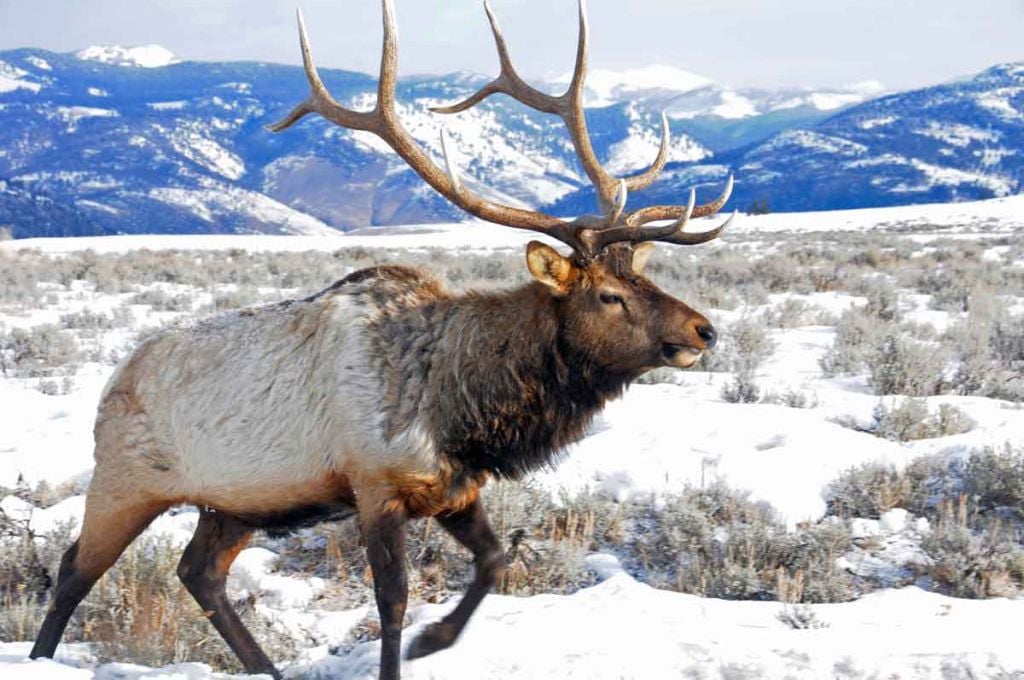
434 638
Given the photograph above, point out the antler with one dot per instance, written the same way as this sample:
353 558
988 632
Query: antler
588 234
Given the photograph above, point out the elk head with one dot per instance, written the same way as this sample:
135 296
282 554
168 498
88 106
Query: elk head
612 314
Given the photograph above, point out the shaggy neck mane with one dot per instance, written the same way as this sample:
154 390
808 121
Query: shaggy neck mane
506 394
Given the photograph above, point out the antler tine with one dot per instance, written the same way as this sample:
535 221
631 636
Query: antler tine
647 177
453 173
654 213
634 232
694 238
508 81
568 106
320 99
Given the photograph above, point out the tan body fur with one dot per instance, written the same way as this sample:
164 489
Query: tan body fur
289 397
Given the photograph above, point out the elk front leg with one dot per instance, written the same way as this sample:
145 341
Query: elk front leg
470 528
385 549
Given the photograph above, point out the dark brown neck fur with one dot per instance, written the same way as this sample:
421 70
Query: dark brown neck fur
498 388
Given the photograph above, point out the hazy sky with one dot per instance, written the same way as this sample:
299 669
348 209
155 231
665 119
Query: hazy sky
902 43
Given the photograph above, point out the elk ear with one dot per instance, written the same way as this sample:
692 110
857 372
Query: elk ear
548 266
641 252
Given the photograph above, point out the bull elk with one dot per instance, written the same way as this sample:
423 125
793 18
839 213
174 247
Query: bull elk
385 395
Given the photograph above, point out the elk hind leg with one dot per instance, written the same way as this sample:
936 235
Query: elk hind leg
204 569
107 529
470 528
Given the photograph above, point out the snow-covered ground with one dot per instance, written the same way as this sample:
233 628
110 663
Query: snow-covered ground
655 440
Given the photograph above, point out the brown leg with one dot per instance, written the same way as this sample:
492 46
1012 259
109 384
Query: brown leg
107 530
470 528
204 570
385 549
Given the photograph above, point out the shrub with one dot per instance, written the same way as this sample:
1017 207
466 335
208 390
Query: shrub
159 300
747 346
901 366
987 561
790 313
716 542
41 351
868 490
741 389
792 398
974 546
852 347
910 419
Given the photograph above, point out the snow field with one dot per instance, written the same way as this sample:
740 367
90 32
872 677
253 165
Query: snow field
655 441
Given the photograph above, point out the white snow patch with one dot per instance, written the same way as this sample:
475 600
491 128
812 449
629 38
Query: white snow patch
814 141
830 101
936 174
734 105
167 106
640 146
143 56
11 79
39 63
73 114
957 134
226 200
191 143
605 87
998 101
876 122
84 203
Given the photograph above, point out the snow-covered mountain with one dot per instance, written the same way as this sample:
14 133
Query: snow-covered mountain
115 139
143 56
951 142
181 147
718 116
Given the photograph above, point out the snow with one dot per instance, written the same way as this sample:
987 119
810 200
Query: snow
143 56
830 101
814 141
11 79
673 435
605 87
208 204
999 102
39 63
936 174
176 105
624 629
194 143
73 114
956 134
734 105
876 122
640 146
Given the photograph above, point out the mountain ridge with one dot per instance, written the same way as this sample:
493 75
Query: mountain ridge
180 147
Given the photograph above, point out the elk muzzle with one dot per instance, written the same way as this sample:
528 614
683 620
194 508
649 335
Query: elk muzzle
699 335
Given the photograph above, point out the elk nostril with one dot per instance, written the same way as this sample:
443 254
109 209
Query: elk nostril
708 334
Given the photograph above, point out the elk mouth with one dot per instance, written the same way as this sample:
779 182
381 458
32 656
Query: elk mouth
681 356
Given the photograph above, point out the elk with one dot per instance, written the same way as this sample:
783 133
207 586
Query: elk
386 396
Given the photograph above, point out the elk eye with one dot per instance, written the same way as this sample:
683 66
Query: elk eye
611 299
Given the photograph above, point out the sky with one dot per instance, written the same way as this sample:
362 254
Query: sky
743 43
